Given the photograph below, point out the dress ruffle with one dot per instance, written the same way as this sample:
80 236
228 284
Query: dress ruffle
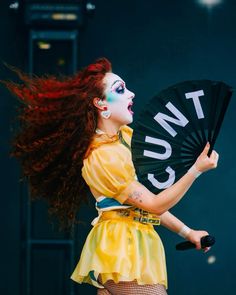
122 251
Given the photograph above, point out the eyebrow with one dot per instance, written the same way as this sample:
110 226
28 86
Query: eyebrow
117 81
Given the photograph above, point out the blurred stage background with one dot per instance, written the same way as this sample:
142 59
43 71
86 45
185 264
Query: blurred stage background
152 44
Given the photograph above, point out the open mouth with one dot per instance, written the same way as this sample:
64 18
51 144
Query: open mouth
130 108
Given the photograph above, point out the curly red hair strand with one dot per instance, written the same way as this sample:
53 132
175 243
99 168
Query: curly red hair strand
57 123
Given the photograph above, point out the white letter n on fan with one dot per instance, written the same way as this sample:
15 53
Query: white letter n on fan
180 119
159 156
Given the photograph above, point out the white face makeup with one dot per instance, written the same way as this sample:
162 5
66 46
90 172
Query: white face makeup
119 99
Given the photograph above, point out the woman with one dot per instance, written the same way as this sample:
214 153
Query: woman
74 132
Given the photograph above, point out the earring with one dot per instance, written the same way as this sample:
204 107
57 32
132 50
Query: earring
100 103
106 113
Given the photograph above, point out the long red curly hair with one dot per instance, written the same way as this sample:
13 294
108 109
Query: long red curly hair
57 123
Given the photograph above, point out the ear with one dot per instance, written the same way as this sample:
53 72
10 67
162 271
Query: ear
98 103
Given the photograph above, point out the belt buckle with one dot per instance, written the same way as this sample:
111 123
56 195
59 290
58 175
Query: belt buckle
141 219
155 221
136 218
146 220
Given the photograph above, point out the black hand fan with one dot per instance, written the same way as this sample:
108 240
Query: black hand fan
173 129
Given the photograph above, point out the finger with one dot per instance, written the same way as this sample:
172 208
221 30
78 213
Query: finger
207 249
214 157
206 149
198 246
213 154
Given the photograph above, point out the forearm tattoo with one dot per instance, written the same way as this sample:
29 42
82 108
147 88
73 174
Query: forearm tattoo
136 196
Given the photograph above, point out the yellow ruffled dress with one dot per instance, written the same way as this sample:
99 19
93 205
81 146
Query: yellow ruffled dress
118 249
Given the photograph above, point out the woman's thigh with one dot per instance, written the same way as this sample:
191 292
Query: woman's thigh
131 288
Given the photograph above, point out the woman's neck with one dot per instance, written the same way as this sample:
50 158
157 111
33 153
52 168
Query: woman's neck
108 127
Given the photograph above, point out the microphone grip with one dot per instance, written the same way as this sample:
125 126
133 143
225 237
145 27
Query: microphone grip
206 241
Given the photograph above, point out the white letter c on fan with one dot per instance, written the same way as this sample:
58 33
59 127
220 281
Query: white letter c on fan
164 184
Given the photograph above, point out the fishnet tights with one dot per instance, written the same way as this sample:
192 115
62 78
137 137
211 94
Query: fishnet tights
131 288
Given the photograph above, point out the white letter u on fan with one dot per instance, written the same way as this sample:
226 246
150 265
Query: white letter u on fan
159 156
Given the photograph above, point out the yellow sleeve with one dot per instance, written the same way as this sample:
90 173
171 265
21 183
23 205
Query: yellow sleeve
108 173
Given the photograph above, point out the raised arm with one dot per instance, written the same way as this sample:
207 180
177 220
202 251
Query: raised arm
141 197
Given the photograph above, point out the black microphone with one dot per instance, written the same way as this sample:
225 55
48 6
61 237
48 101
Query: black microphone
206 241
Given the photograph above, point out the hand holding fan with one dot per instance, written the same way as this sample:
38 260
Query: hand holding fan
174 128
